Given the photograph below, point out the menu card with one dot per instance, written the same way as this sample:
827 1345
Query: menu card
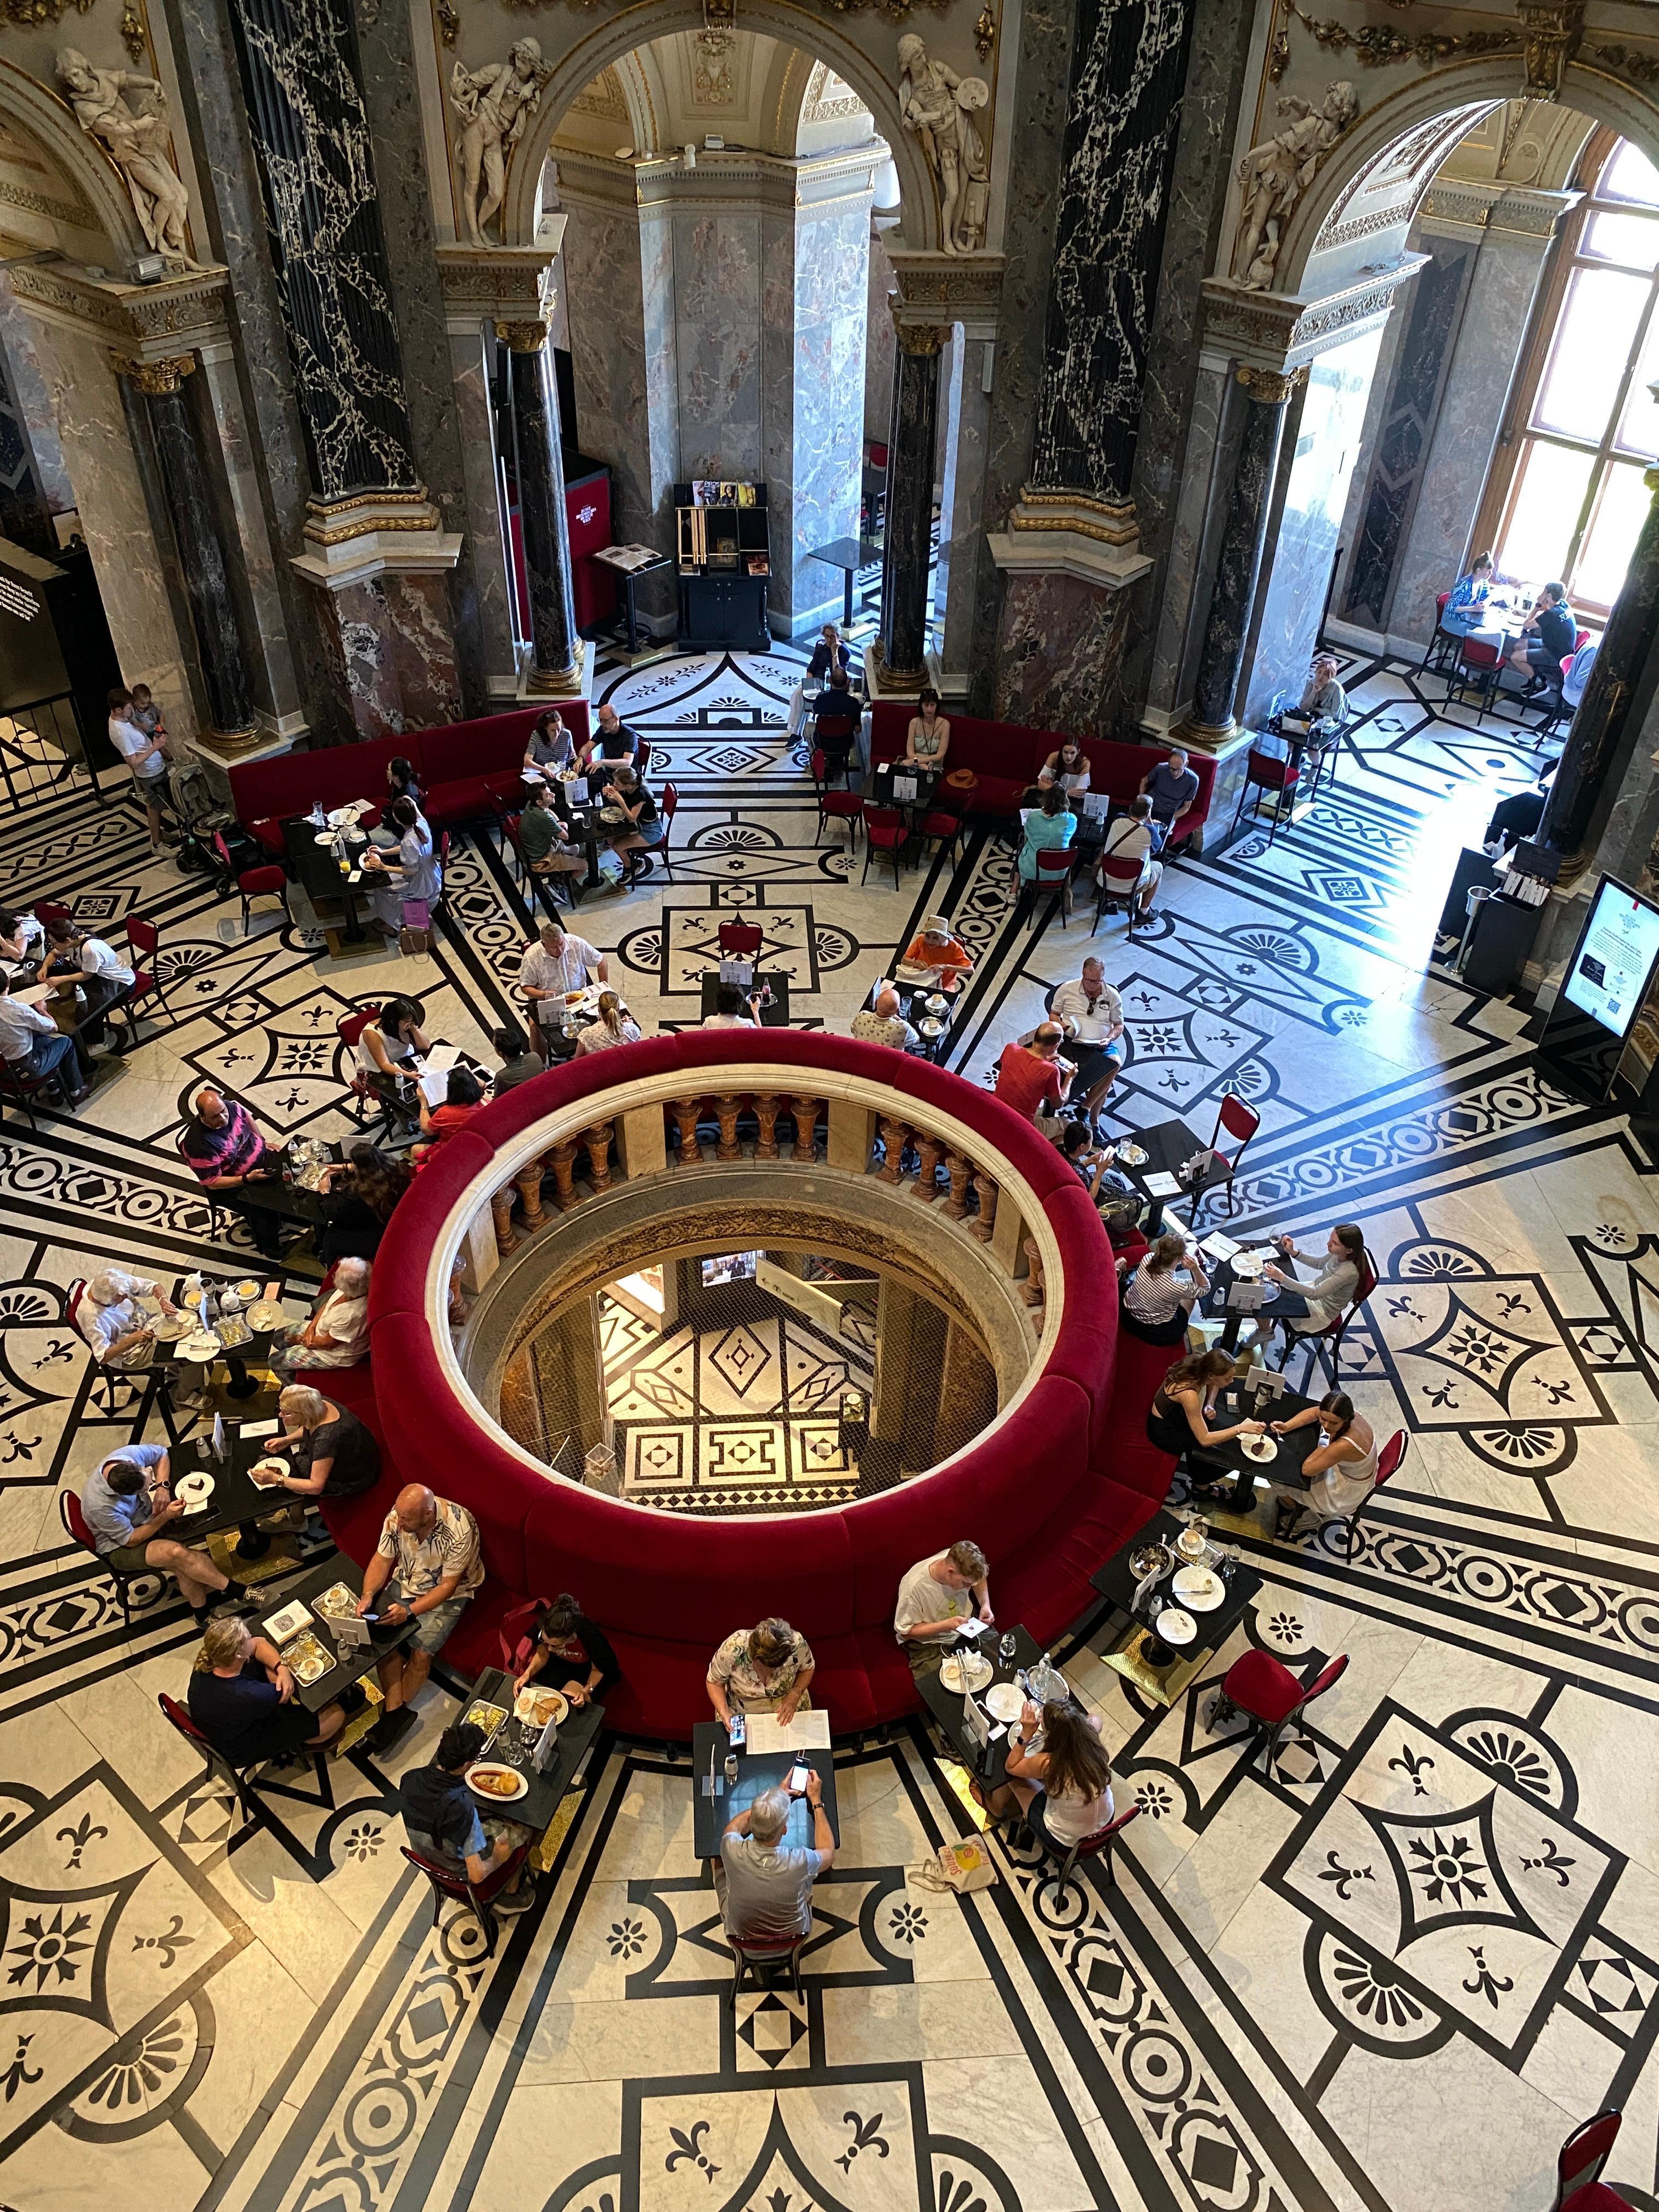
808 1731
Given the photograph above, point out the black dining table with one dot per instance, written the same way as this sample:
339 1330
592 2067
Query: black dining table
990 1761
1211 1464
351 1665
281 1194
237 1502
1165 1674
591 824
1218 1299
849 555
756 1771
914 1009
79 1004
317 870
537 1806
1167 1144
775 1016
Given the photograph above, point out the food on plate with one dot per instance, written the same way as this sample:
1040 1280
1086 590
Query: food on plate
306 1659
267 1471
486 1717
535 1708
494 1781
337 1602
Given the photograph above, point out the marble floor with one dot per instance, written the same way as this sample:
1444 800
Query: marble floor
1390 1971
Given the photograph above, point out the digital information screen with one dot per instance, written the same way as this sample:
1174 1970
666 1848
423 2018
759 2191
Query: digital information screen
1610 974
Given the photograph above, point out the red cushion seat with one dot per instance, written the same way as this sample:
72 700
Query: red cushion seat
1261 1685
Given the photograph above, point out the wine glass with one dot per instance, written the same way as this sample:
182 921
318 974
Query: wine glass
1006 1648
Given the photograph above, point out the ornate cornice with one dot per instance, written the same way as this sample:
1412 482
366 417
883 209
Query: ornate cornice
1494 207
1266 329
148 321
513 283
952 288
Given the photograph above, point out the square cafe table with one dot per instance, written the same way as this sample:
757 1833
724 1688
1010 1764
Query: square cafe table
538 1809
1166 1145
990 1763
350 1665
775 1016
756 1771
1163 1684
849 555
317 870
237 1502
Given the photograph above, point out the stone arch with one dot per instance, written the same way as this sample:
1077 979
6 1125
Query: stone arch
1473 85
47 117
608 42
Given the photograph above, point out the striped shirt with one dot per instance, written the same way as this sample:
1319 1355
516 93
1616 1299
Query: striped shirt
236 1149
1157 1298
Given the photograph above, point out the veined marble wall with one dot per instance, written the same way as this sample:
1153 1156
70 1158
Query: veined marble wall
1292 601
396 653
24 514
879 346
1062 652
718 342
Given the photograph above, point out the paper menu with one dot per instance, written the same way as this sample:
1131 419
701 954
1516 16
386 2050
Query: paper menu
260 1429
444 1056
1162 1184
1220 1248
808 1731
435 1085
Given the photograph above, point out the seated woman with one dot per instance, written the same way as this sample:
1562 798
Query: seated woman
614 1025
1049 827
402 783
1341 1467
1159 1296
1308 1307
357 1198
242 1699
1179 1416
416 875
927 740
1068 766
550 746
573 1650
386 1046
336 1332
462 1100
1060 1773
761 1670
1323 699
22 940
1467 610
333 1455
645 825
732 1011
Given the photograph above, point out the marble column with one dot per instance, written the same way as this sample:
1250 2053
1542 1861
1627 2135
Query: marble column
222 654
1593 757
1238 569
554 647
900 652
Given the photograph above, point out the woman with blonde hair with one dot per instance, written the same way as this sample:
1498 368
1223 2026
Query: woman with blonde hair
242 1697
614 1025
333 1455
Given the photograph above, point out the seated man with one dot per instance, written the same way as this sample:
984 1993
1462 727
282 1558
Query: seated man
836 721
544 841
242 1699
1548 636
442 1819
433 1545
766 1892
31 1045
883 1024
336 1334
556 964
1031 1076
518 1064
1575 679
128 1503
1092 1014
612 742
1133 837
1172 787
120 1332
225 1150
935 1597
1517 817
937 954
73 952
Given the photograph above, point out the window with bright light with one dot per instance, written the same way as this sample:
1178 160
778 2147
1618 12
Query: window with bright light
1568 489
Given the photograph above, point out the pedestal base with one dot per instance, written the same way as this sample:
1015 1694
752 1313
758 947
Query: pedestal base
881 682
1064 618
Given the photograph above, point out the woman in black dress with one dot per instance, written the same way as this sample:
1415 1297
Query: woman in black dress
334 1455
574 1652
1179 1416
242 1697
357 1200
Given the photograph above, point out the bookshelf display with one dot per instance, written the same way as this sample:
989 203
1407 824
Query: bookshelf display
725 560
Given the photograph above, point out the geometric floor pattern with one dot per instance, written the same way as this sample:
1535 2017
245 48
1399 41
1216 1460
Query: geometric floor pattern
1389 1969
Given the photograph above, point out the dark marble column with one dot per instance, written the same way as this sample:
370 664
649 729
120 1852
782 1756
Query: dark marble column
1238 567
1593 759
203 567
542 510
901 650
25 516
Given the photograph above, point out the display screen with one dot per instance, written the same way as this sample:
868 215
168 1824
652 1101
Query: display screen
730 1268
1615 957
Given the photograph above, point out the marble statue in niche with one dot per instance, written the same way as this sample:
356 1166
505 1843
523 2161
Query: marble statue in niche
939 106
1273 176
492 105
134 135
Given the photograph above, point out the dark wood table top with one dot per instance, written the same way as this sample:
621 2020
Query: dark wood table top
854 553
756 1771
775 1016
1231 1458
946 1705
354 1664
1114 1581
235 1500
576 1731
72 1015
314 864
1167 1144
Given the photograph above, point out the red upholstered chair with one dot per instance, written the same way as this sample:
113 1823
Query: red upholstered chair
263 883
666 807
759 1954
944 829
1443 643
1117 882
1579 2169
143 942
477 1895
1334 1332
884 832
1267 1692
46 914
1097 1846
1478 668
103 1378
1053 879
76 1528
835 805
1387 1463
349 1030
1239 1119
740 940
217 1764
1263 773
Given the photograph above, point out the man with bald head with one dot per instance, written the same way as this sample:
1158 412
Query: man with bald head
883 1024
428 1553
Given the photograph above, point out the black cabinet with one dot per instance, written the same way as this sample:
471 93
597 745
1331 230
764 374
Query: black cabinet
724 558
724 610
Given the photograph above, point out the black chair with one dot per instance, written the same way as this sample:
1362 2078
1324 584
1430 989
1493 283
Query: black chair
755 1954
217 1764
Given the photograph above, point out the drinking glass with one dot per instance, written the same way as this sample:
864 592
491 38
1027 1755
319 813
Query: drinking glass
1005 1649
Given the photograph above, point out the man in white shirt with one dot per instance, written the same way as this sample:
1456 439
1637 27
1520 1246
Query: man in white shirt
145 753
935 1597
883 1024
122 1334
1092 1014
1133 837
556 964
336 1334
31 1045
73 952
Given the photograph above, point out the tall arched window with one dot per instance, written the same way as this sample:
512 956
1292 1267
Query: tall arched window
1566 498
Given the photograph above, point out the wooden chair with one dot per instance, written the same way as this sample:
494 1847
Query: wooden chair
1239 1119
1478 668
1053 879
143 940
1388 1464
217 1764
23 1090
102 1376
740 940
263 883
666 807
478 1895
1442 646
1097 1846
1578 2168
1266 1691
943 828
1334 1332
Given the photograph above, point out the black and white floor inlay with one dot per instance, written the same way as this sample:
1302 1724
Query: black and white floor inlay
1386 1971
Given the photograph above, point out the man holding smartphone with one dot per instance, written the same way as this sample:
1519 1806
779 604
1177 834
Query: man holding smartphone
766 1891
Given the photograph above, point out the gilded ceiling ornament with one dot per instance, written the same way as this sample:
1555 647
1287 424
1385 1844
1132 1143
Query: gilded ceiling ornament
1273 176
492 105
939 106
133 35
985 33
38 11
1630 61
1377 45
1553 31
449 23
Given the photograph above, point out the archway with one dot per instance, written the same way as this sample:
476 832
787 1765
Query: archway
91 175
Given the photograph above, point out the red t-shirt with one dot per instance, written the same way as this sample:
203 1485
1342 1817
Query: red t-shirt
1026 1081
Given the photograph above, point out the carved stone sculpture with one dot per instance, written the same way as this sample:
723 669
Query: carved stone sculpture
1272 177
135 136
492 105
939 106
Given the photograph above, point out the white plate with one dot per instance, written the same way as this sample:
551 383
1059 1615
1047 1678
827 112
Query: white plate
536 1707
979 1672
194 1490
281 1466
248 1291
1132 1156
1199 1589
1174 1626
199 1346
1005 1701
1261 1449
521 1787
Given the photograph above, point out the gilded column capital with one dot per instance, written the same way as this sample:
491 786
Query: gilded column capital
922 339
522 337
1271 386
156 377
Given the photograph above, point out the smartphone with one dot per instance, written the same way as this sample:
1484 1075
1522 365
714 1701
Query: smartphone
738 1731
796 1783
